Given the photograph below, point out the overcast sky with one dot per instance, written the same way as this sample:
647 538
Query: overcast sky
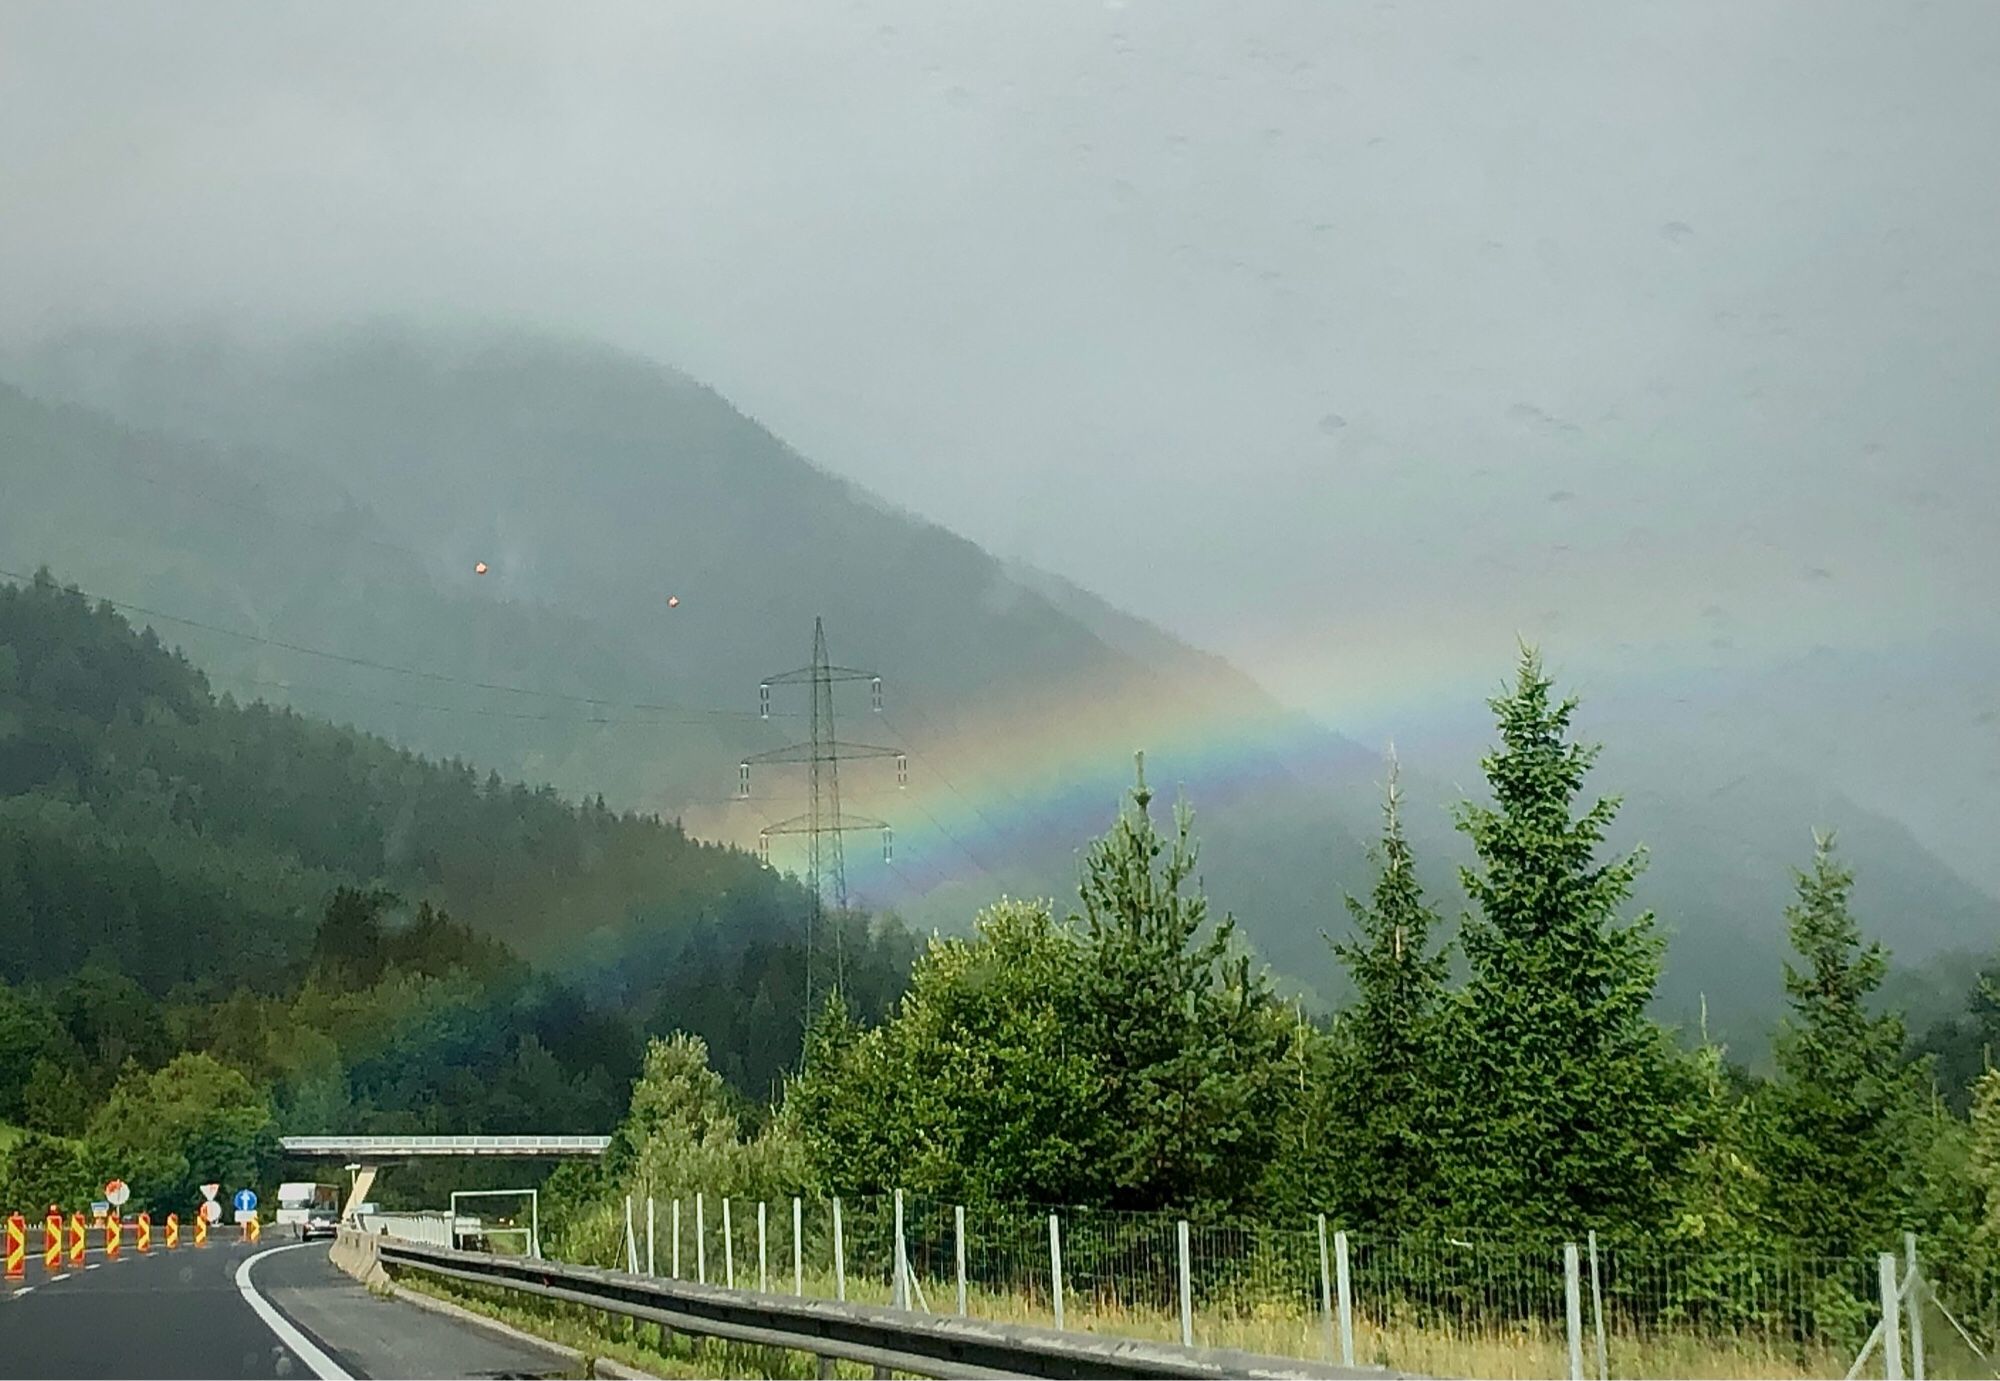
1336 337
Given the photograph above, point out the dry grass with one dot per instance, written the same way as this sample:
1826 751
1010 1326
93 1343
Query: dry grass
1403 1346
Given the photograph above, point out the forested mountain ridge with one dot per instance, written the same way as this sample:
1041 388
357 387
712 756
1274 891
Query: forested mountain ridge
336 494
189 845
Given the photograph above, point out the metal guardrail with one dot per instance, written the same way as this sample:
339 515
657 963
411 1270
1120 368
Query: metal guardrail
396 1147
923 1344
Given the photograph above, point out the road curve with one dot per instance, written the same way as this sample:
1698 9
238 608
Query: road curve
233 1310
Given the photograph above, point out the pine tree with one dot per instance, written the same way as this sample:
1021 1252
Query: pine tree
1571 1106
1843 1110
1383 1106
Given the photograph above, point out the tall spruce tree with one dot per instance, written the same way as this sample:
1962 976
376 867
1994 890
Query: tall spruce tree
1190 1041
1572 1108
1383 1109
1841 1116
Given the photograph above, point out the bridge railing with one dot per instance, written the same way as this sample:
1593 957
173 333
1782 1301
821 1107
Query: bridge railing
428 1229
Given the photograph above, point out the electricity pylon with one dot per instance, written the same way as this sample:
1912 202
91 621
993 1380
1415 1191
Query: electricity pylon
823 823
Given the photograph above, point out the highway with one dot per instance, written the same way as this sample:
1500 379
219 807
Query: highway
231 1309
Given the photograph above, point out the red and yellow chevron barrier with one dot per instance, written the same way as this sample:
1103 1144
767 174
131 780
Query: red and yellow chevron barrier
200 1230
79 1236
52 1238
251 1228
173 1230
17 1246
143 1238
114 1231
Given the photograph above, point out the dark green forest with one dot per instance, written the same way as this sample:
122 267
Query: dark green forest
311 924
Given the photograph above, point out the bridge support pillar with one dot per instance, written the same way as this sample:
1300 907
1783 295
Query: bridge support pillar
364 1181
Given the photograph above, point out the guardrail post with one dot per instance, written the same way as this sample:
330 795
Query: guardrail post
1914 1286
763 1277
1892 1323
958 1231
700 1239
900 1291
798 1248
1187 1282
1346 1289
839 1256
1573 1311
649 1236
1055 1266
676 1252
728 1248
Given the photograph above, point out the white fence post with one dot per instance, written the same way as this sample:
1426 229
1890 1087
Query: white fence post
1325 1289
798 1248
631 1242
700 1239
1055 1266
728 1248
958 1229
649 1236
675 1253
1342 1284
899 1290
1892 1323
763 1276
1913 1286
839 1256
1187 1280
1597 1312
1573 1311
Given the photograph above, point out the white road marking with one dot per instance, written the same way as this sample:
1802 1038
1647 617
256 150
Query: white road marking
55 1278
93 1265
321 1365
25 1290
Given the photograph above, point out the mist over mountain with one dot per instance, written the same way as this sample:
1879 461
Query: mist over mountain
335 492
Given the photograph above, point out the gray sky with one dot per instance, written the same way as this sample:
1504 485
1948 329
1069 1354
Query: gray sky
1346 339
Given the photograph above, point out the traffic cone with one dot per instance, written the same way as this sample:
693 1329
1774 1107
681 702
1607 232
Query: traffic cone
17 1246
79 1237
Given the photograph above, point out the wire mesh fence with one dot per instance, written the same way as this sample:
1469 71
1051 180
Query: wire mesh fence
1476 1305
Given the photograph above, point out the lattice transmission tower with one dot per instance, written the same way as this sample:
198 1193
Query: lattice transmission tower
823 822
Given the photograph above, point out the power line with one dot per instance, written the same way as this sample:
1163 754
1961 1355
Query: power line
419 673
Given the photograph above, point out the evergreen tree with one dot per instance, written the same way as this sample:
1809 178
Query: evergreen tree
1191 1043
1383 1105
1571 1106
1838 1151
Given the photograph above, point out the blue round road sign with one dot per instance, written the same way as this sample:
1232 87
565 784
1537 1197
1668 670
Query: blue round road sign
244 1201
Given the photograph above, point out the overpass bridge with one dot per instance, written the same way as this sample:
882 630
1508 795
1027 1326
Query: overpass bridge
368 1154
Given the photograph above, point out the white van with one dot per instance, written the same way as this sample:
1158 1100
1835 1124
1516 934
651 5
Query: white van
312 1210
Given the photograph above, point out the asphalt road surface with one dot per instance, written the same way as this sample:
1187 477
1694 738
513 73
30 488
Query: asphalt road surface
231 1309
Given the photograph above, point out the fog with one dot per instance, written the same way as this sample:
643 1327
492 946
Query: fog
1349 341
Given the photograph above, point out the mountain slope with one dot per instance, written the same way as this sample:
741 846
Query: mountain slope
338 493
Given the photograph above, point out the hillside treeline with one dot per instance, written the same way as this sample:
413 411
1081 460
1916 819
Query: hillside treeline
220 923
